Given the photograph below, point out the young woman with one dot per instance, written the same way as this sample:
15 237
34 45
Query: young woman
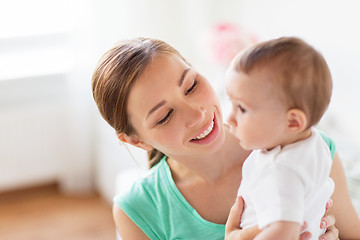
156 101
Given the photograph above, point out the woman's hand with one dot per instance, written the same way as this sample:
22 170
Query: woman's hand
234 232
328 223
232 227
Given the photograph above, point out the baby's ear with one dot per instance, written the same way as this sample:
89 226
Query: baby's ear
296 120
134 140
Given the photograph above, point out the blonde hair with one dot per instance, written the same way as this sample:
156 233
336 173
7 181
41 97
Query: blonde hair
301 74
116 73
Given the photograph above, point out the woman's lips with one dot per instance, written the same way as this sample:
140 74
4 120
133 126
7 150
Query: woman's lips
214 130
205 132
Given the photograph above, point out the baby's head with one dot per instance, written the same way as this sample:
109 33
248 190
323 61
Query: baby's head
287 76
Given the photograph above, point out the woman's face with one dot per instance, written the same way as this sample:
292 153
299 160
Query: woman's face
175 109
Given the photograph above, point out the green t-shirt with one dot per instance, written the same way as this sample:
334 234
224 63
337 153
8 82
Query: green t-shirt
156 205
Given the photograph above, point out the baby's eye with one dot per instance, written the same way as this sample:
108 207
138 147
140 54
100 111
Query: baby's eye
192 88
166 118
243 110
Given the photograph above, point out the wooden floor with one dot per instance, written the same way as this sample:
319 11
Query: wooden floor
45 214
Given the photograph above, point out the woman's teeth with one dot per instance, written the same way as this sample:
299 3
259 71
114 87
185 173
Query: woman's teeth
206 132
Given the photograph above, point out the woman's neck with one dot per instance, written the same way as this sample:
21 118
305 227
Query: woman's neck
210 167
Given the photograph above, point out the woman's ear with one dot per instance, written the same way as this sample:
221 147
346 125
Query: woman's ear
134 140
296 120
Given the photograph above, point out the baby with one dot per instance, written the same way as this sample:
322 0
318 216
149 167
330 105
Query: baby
279 89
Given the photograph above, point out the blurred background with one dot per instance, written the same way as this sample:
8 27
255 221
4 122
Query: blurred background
50 130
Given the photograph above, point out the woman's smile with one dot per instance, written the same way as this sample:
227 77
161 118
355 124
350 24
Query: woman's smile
208 134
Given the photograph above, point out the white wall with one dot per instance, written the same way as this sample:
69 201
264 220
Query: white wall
27 138
45 123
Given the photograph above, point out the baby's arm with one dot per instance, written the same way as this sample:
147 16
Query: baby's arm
281 230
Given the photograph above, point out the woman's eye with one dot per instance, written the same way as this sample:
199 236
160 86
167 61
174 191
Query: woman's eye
191 88
166 118
243 110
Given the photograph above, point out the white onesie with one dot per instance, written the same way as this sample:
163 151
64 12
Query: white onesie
288 184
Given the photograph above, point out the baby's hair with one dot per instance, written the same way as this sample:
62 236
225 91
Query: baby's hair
299 73
115 74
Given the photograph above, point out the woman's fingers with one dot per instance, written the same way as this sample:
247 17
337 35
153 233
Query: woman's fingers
328 205
233 221
332 233
304 235
304 226
327 221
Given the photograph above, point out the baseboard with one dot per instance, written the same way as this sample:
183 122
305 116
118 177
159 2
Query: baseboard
47 188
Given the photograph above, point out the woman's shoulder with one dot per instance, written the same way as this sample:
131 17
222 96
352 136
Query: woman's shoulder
329 141
138 205
147 189
148 200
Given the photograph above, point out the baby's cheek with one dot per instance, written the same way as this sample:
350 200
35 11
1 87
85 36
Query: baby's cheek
240 133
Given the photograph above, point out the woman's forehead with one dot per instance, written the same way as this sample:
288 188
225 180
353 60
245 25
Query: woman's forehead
162 70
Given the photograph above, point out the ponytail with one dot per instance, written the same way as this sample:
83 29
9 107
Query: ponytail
154 157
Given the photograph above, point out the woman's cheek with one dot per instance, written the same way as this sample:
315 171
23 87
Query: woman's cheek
208 96
171 134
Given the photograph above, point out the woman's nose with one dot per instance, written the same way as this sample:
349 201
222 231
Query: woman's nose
194 115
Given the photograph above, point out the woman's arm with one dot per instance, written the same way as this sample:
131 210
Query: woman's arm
126 227
347 220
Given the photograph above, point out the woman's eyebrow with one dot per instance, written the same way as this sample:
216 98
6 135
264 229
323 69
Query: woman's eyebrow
155 108
183 76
